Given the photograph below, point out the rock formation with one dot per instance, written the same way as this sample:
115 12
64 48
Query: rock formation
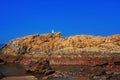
72 50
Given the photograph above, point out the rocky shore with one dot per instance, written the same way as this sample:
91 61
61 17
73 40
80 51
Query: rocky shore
37 52
20 78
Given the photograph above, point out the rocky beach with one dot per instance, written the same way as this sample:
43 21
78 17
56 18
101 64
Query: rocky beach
96 57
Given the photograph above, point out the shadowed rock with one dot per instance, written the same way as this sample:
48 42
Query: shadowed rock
1 75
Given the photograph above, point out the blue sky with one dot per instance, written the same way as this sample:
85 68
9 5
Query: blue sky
71 17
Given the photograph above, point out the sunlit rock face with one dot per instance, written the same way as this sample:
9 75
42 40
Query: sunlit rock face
73 50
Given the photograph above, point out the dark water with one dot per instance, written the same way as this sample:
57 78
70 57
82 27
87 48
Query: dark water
16 69
12 69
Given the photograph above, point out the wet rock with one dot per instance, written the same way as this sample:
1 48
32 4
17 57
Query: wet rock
100 77
93 71
116 73
115 77
96 77
42 67
110 72
57 74
1 61
49 72
1 75
103 77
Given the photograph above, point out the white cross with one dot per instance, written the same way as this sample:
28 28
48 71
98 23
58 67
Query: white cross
52 30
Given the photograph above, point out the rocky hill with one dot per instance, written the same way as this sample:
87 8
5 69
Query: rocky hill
78 49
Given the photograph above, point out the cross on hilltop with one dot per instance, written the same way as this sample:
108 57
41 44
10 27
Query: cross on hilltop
53 31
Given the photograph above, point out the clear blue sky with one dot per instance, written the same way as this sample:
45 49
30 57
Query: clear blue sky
25 17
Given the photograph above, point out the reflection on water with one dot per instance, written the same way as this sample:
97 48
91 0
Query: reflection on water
15 69
12 69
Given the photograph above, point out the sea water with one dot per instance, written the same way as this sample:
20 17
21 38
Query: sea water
12 69
18 70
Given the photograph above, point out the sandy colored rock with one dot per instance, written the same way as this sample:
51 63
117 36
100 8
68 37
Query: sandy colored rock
78 49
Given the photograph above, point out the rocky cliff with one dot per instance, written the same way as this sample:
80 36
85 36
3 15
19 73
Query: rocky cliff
72 50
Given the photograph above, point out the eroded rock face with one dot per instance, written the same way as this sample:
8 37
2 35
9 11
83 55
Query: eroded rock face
73 50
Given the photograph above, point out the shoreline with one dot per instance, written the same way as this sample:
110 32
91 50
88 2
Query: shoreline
75 72
20 78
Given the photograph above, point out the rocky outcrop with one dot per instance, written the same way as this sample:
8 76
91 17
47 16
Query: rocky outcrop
73 50
41 66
